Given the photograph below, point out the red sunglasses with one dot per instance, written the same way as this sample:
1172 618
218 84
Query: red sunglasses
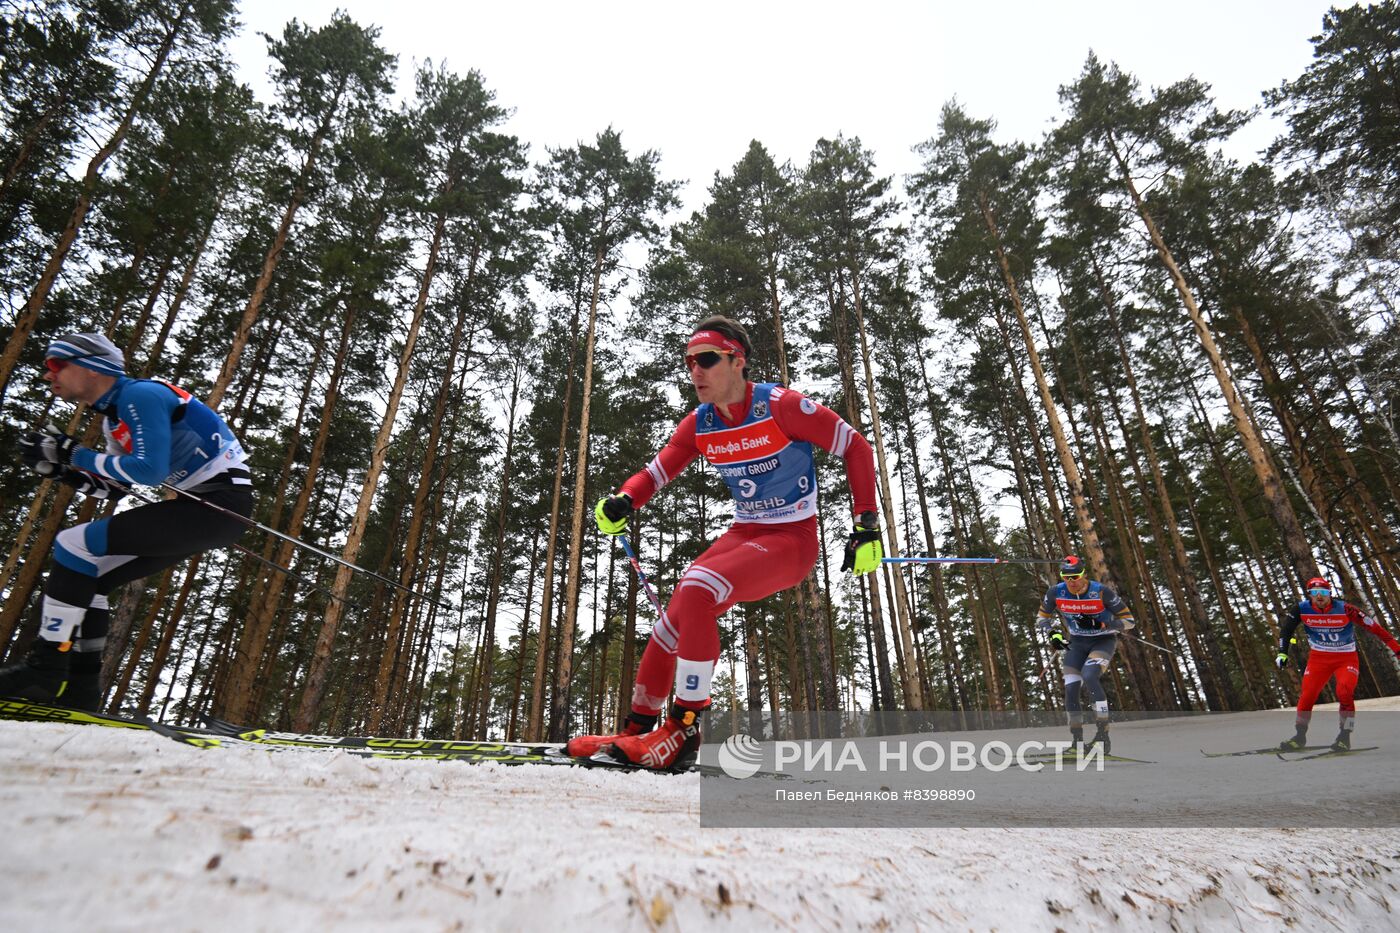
706 359
56 365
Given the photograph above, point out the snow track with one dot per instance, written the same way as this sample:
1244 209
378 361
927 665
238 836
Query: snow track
113 830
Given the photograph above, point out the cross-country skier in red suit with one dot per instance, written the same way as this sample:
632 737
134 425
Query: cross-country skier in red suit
1331 627
759 437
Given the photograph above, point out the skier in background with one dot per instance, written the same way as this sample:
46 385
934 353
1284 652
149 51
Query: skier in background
155 432
759 438
1094 614
1331 627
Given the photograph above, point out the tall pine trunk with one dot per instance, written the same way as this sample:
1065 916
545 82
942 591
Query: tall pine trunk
1093 548
563 675
1294 541
314 692
913 689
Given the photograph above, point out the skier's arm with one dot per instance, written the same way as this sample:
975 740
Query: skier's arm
1375 628
1291 620
1046 616
802 419
146 409
1122 619
680 451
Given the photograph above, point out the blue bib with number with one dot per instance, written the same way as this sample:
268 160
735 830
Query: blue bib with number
773 478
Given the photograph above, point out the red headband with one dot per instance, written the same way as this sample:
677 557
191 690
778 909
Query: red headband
714 339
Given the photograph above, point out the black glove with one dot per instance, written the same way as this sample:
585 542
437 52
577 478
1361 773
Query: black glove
46 452
1090 623
91 485
1058 642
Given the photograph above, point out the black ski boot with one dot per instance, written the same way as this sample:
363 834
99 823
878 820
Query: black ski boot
84 691
1100 738
42 675
1297 743
1076 738
1342 742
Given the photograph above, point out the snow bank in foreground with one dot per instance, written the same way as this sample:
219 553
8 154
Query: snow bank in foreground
112 830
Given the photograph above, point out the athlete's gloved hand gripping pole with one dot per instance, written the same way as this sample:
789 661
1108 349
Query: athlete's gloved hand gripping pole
49 453
611 513
864 551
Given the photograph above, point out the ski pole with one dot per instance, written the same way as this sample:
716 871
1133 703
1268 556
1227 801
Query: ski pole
642 577
252 523
248 552
970 560
260 559
1151 644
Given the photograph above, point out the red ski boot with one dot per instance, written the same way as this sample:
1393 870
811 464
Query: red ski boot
672 747
586 746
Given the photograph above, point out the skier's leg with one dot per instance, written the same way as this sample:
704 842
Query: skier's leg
1094 669
1072 663
90 559
1348 670
1315 677
745 564
84 690
754 562
1074 682
655 673
657 670
44 672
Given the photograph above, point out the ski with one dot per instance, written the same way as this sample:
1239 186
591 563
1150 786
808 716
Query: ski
310 740
1070 754
446 749
1271 750
24 710
1332 753
393 749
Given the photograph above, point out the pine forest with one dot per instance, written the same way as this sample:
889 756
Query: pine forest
441 348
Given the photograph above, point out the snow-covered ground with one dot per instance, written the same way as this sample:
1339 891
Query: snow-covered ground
117 830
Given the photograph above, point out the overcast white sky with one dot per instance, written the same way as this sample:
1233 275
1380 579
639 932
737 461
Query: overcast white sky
697 81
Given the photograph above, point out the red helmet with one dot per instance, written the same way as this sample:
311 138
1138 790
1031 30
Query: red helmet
1319 583
1072 566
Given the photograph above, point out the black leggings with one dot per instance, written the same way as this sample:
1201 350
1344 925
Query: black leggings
138 543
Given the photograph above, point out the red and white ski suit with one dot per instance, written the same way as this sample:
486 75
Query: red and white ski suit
762 449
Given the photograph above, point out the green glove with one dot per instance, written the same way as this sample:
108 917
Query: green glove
611 513
863 548
1058 641
1282 660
